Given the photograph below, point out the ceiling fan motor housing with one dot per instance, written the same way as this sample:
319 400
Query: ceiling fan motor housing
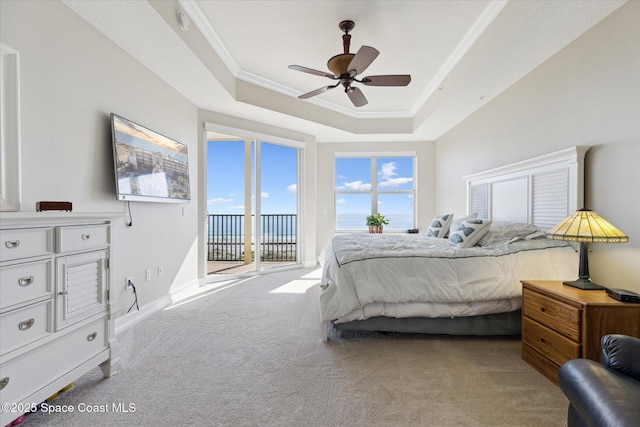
339 63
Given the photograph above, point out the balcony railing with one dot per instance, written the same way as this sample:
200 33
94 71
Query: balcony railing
226 238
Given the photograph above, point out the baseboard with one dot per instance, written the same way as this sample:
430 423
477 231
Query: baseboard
310 264
128 320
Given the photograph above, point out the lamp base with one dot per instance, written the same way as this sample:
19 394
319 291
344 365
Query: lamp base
584 284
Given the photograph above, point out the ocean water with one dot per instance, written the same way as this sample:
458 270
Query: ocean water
286 232
358 221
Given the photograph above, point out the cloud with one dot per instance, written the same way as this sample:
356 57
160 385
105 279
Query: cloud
388 170
355 185
388 176
264 195
340 201
395 182
293 188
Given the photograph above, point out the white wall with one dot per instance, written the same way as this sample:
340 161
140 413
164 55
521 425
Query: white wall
72 78
587 94
325 214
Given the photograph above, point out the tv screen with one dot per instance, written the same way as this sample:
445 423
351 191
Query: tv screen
149 167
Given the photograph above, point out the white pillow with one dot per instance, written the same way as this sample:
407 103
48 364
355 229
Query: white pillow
502 232
440 225
468 232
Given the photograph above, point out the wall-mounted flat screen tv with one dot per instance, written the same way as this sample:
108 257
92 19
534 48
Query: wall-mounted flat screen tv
149 167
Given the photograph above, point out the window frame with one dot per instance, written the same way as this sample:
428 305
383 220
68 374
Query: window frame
374 192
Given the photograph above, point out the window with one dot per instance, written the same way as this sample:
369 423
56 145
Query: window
366 184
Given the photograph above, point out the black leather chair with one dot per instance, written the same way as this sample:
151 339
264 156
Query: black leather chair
606 394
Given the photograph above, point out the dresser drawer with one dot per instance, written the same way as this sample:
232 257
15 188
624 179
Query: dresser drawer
21 283
82 237
25 325
549 343
27 374
556 315
24 243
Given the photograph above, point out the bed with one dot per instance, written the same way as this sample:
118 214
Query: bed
462 276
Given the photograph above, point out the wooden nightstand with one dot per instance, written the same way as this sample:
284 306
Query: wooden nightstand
561 322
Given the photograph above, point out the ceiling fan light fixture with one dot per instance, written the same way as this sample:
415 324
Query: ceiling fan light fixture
338 64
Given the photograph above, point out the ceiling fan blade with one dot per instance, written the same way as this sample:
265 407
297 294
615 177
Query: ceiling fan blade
356 96
311 71
364 58
389 80
317 92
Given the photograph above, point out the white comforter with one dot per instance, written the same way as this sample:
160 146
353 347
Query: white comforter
412 275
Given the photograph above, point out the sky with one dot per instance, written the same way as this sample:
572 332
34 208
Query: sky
391 174
225 178
225 181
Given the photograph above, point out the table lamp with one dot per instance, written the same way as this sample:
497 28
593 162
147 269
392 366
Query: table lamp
585 226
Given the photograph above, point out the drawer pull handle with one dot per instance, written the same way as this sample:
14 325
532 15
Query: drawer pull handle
4 382
92 336
63 293
23 326
86 236
12 244
25 281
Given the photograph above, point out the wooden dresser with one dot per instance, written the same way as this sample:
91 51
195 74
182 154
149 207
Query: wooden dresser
56 309
560 323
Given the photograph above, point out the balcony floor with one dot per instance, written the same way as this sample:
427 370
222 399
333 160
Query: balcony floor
238 267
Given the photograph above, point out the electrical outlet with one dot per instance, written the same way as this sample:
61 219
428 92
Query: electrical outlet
148 273
160 271
127 282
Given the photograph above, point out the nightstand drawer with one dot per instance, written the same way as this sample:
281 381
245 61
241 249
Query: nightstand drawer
560 317
541 363
81 238
21 283
545 341
24 243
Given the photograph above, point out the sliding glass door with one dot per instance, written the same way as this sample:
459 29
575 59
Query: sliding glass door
252 207
278 204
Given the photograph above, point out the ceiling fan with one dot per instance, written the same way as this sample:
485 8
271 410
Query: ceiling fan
346 66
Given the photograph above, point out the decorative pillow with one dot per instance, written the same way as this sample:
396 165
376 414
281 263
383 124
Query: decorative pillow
468 232
501 232
440 225
457 221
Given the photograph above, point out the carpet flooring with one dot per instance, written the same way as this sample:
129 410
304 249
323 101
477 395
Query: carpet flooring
249 353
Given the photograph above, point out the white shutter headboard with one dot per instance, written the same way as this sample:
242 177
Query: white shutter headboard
541 191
